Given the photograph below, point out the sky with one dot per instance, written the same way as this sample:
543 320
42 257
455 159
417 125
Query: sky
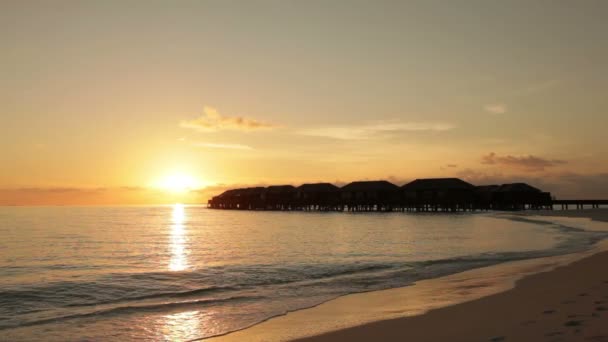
140 102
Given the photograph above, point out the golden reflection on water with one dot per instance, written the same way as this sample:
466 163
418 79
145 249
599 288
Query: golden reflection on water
179 252
182 326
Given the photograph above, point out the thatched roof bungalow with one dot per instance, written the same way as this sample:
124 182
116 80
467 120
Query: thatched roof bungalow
278 194
516 196
317 193
369 192
438 191
227 199
484 194
278 190
250 198
228 194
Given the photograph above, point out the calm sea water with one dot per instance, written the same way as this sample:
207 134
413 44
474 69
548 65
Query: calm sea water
185 272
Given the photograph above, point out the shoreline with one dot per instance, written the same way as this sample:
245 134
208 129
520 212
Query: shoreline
413 311
543 306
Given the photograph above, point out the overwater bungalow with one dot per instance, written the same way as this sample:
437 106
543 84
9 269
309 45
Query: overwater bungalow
250 198
439 194
317 196
484 195
519 196
278 197
225 200
370 196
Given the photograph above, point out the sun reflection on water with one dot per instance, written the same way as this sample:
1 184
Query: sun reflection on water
182 326
179 252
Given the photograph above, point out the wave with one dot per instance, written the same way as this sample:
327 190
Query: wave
202 291
156 285
163 307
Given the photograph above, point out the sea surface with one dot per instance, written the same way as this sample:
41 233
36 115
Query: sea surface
177 273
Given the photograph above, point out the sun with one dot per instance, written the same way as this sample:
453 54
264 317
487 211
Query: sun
178 182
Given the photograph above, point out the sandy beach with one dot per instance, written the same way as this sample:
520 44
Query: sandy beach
561 298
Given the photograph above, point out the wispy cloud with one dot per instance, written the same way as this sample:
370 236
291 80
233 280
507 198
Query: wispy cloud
370 130
528 163
224 146
497 108
538 87
448 166
213 121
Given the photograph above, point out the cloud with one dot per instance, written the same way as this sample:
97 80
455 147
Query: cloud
538 87
371 130
497 108
448 166
223 146
59 190
213 121
528 163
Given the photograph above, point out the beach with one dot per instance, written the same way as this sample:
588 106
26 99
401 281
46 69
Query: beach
566 304
562 298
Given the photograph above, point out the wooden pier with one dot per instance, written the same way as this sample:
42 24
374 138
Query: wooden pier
580 204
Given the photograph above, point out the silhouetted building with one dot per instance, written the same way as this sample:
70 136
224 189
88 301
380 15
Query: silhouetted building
485 195
367 195
431 194
227 199
323 196
516 196
279 197
439 193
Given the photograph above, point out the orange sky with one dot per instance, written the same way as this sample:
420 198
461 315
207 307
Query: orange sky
102 102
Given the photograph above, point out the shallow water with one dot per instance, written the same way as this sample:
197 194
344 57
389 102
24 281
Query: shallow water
185 272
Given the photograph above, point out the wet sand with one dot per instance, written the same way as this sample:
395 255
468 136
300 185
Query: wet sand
561 298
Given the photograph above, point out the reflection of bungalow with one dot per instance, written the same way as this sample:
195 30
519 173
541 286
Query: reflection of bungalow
318 195
278 196
517 196
370 194
444 192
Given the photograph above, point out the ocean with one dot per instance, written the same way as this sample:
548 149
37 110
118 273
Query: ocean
178 273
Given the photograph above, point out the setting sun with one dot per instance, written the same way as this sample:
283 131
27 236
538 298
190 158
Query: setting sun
177 182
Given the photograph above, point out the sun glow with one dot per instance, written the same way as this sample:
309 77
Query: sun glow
178 182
